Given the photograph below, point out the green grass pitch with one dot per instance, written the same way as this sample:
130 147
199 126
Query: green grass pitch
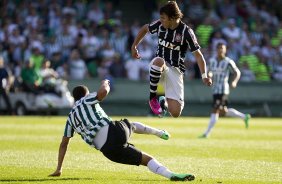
29 146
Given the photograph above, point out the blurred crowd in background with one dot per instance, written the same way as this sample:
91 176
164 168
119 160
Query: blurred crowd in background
79 39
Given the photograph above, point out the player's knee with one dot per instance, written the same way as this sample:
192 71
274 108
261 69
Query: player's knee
158 61
174 108
223 111
174 113
145 159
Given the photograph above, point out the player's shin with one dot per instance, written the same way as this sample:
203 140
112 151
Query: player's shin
158 168
155 75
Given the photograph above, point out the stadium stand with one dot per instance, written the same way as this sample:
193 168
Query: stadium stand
83 39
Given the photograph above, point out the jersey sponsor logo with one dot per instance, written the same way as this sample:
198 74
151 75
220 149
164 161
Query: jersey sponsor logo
178 37
169 45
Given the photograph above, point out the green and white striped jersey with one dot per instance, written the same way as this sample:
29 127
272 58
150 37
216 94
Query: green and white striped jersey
86 118
220 74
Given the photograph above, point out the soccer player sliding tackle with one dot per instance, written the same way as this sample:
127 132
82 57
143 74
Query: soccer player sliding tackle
98 130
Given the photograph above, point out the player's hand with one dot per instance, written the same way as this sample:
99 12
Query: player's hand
233 84
106 81
207 81
56 173
134 53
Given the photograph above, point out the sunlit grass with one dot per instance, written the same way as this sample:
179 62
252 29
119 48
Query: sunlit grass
29 145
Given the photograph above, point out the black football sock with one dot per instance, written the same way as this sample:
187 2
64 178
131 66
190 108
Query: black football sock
155 75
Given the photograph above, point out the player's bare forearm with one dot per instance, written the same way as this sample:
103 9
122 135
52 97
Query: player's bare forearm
236 78
238 75
61 155
203 67
103 90
200 61
141 34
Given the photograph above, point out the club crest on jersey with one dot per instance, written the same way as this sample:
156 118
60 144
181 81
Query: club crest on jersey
178 37
168 45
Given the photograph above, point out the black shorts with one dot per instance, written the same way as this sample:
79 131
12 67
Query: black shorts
220 101
116 148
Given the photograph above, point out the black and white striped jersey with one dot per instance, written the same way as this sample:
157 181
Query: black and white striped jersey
173 44
220 74
86 118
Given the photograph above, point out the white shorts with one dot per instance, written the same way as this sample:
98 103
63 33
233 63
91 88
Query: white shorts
101 137
172 79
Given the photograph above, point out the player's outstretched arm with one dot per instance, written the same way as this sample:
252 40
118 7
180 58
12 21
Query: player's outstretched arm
141 34
203 67
62 152
103 90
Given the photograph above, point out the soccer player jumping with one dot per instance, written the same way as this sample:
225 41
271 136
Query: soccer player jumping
174 38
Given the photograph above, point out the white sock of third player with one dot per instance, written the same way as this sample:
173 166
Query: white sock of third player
234 113
213 120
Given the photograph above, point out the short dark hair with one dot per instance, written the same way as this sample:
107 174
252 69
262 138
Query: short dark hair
79 92
220 44
172 10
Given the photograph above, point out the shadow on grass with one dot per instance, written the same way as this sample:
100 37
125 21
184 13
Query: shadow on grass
44 179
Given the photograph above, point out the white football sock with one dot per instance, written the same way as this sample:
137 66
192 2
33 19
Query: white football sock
140 128
234 113
213 120
158 168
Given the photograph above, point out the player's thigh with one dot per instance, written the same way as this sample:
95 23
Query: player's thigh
124 154
174 88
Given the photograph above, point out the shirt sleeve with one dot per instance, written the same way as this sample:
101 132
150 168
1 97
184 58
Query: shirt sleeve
91 98
154 26
191 40
69 131
232 66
